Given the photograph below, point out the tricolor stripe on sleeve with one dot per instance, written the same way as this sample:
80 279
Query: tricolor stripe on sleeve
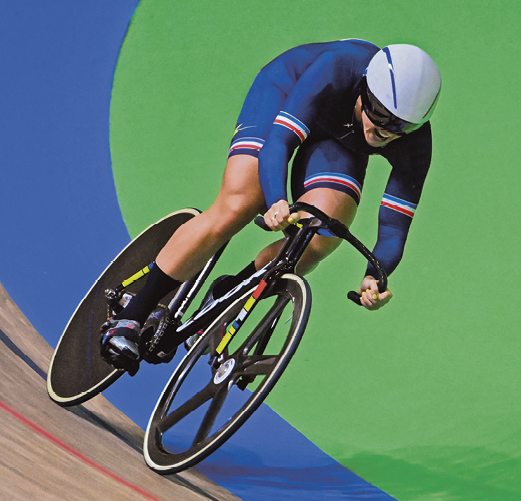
248 143
399 205
292 123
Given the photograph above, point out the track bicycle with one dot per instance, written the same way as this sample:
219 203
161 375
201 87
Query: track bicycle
244 342
248 339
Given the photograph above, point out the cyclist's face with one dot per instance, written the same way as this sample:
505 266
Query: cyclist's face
375 136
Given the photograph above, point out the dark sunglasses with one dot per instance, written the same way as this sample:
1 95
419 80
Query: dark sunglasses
382 117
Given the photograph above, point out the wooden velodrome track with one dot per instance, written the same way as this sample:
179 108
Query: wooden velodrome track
88 452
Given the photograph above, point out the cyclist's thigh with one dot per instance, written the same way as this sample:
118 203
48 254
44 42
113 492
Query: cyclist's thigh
325 163
330 176
334 203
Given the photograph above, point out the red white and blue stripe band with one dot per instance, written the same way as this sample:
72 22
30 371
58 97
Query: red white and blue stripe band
247 143
341 181
399 205
293 124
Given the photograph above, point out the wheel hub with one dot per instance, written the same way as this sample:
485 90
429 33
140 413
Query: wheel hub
224 371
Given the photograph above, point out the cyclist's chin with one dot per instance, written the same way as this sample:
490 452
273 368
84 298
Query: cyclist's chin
373 139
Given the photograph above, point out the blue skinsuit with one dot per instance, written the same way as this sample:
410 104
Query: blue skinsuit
305 99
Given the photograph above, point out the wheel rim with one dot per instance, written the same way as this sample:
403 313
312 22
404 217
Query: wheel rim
186 428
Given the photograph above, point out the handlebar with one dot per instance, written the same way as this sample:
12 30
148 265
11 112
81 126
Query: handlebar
341 231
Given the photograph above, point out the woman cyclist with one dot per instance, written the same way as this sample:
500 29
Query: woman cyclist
335 103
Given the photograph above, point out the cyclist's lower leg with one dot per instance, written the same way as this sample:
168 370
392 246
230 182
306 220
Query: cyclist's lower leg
238 202
158 284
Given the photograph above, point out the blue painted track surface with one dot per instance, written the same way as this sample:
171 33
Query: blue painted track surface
61 223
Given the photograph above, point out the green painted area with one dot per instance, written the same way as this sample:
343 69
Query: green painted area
423 397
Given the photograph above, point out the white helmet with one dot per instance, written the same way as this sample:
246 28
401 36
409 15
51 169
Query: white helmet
407 82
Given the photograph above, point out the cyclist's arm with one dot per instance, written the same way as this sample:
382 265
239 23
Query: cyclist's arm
273 173
292 126
410 166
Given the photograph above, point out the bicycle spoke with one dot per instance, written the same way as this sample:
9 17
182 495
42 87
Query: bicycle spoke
267 323
257 365
188 407
211 414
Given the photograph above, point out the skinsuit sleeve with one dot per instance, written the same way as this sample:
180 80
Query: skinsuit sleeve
322 82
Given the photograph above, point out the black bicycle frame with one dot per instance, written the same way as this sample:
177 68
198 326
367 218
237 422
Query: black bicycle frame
297 239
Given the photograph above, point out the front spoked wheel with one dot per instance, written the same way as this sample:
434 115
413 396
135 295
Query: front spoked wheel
201 407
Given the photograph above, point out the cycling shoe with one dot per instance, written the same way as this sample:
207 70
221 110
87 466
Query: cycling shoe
119 344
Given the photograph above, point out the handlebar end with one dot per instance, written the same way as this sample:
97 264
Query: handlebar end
259 221
355 297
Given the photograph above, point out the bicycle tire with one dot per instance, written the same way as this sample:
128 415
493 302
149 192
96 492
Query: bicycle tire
163 448
77 372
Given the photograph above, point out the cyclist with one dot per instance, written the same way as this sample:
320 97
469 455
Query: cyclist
336 103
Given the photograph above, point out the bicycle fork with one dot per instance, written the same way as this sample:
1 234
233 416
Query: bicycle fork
297 245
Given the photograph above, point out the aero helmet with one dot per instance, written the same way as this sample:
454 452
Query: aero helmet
406 82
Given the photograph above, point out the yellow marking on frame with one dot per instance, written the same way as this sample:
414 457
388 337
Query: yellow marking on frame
224 342
249 303
135 277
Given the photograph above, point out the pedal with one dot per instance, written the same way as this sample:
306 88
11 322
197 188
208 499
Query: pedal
117 302
125 299
163 352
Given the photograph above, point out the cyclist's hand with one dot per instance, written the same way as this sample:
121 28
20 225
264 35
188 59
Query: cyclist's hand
278 216
370 297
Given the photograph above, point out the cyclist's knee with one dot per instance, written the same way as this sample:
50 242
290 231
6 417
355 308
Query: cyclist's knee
319 248
232 214
238 212
240 198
